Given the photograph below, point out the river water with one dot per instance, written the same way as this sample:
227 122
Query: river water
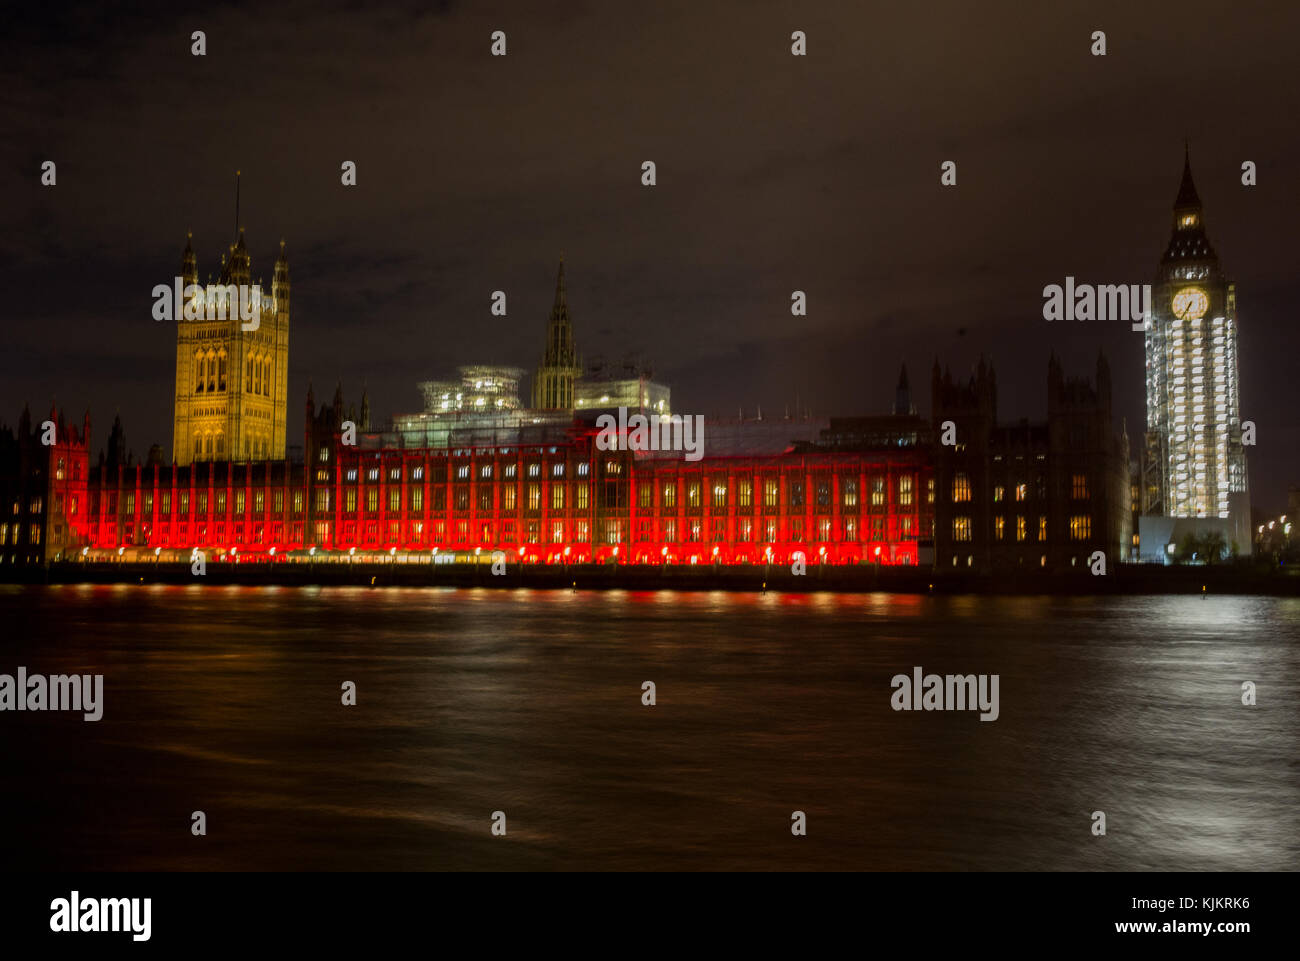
229 701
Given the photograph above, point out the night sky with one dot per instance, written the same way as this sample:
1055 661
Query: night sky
775 173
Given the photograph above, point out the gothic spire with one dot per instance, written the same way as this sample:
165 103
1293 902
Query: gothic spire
561 307
1187 196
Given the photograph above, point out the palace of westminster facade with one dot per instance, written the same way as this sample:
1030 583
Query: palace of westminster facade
477 472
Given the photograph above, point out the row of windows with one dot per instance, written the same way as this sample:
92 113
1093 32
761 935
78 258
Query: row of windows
558 498
201 500
961 489
718 493
60 469
207 446
461 497
210 373
1080 528
33 533
610 531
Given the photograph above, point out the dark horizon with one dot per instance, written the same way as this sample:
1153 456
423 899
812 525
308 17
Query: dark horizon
775 173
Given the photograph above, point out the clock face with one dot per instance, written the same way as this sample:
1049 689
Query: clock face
1190 303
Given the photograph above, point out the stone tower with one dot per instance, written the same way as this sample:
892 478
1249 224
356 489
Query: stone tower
232 362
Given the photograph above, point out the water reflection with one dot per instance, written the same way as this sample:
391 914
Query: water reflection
471 701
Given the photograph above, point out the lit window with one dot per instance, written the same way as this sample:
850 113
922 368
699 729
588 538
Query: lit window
877 491
960 488
961 528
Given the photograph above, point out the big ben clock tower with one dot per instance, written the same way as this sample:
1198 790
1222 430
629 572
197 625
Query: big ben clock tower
1194 465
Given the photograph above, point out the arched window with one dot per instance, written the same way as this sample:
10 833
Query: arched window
221 371
212 371
198 446
257 376
248 377
221 445
207 445
198 372
266 378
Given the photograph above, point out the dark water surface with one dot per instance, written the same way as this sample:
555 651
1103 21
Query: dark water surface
227 700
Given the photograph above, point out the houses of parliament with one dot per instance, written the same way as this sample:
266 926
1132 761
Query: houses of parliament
478 470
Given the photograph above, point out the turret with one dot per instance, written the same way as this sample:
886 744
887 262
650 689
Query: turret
280 283
189 263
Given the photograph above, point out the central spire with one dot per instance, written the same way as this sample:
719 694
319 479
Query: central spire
553 385
561 307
